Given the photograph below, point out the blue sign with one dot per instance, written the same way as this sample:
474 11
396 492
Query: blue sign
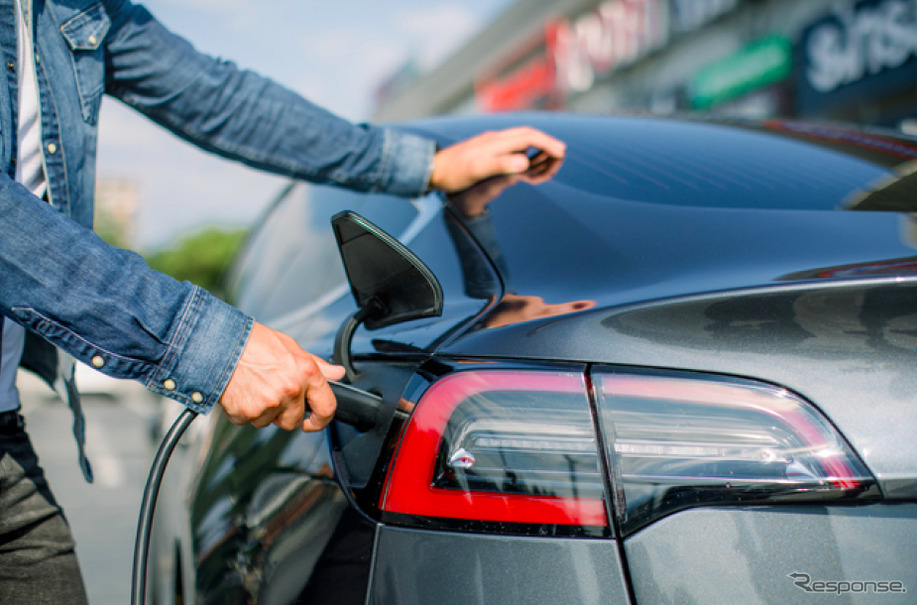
862 50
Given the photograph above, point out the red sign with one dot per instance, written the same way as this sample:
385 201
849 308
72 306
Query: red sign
616 34
532 84
573 54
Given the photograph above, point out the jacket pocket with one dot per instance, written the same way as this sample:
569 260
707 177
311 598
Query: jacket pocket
84 34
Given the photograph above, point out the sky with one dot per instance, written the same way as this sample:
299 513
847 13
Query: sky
334 53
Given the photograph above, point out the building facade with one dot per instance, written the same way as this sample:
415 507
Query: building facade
848 60
117 205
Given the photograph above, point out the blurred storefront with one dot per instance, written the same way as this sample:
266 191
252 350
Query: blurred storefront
838 59
859 62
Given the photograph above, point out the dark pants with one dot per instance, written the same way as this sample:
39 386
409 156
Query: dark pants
37 558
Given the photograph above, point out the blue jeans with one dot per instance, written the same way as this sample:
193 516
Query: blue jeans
37 559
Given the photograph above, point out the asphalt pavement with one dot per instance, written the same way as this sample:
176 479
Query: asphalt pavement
103 515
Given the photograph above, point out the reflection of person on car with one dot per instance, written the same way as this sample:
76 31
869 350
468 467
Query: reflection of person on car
514 308
471 206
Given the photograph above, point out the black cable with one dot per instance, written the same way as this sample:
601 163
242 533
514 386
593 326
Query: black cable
148 504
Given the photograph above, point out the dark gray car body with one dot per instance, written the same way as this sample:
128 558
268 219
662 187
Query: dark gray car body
778 252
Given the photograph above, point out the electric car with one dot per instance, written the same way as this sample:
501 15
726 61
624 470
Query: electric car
681 370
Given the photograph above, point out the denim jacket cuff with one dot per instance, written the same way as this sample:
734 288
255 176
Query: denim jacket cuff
208 343
407 164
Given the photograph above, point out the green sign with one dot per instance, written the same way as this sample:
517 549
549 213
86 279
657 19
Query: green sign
761 63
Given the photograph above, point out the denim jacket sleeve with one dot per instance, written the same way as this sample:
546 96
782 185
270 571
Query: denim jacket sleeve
243 116
106 308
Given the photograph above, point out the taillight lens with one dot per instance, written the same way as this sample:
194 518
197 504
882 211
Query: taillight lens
674 443
501 446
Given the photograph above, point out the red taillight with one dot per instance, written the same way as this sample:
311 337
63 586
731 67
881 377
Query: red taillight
500 446
675 442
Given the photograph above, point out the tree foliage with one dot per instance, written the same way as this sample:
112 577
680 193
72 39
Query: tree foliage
202 257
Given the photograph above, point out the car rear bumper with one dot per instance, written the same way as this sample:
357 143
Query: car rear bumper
423 567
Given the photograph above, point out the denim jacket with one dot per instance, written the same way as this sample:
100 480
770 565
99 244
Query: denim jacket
104 306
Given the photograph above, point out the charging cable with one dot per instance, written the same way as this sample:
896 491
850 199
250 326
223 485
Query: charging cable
355 406
148 504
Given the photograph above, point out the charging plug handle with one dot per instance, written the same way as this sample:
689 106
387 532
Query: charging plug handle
356 407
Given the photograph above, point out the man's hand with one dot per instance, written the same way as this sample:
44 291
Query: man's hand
460 166
473 201
276 381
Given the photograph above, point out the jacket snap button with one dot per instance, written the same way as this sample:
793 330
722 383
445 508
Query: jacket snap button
98 361
169 384
52 148
196 397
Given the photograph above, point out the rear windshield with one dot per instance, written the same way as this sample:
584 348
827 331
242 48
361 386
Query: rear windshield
770 165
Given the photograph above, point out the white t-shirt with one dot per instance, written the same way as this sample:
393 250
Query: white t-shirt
29 172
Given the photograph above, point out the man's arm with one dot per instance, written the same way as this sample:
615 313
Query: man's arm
108 309
105 307
243 116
